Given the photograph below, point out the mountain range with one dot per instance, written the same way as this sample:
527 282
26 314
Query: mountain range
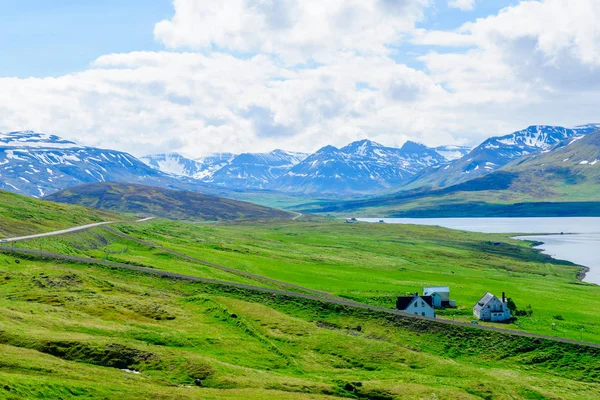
38 164
561 181
360 167
496 152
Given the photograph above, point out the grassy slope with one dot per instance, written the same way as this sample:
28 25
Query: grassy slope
21 215
173 204
371 263
67 330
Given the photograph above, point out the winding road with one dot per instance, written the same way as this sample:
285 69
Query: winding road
53 233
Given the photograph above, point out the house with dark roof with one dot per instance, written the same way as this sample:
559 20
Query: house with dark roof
417 305
441 296
490 308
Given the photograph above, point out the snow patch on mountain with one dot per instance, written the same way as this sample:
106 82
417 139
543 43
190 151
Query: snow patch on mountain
24 139
362 166
36 164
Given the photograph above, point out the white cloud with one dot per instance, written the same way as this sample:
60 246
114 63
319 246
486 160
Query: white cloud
464 5
520 49
489 76
295 30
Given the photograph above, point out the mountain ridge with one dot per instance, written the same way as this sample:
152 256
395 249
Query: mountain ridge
160 202
497 151
564 181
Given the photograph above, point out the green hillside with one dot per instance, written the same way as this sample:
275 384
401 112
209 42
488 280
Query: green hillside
167 203
20 215
282 309
70 330
569 172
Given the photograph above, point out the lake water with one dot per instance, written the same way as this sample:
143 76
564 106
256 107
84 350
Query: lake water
579 243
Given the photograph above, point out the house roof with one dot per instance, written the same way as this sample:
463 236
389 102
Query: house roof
436 289
404 301
483 301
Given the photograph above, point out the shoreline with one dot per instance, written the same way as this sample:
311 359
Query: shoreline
517 232
581 275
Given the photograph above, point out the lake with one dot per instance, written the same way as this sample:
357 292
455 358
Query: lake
579 243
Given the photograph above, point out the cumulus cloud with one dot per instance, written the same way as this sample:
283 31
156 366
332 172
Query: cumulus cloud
263 74
518 50
464 5
294 30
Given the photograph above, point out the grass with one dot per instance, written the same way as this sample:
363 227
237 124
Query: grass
370 263
103 245
23 215
69 329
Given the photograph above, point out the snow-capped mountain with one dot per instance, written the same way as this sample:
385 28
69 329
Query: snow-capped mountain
452 152
37 164
254 170
498 151
362 166
176 164
172 163
212 163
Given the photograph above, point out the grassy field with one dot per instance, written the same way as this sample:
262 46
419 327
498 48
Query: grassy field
70 331
21 215
369 263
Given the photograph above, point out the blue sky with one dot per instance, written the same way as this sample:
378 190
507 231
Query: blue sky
57 37
196 77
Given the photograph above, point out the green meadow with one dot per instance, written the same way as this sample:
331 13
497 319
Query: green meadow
21 215
369 263
75 330
72 331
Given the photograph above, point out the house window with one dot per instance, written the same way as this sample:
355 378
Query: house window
423 314
422 304
416 313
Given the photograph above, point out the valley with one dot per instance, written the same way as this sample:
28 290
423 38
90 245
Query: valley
300 200
188 288
100 319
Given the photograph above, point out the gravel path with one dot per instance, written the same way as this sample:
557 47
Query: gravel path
61 232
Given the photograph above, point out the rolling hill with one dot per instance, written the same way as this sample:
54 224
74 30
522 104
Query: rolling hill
167 203
21 215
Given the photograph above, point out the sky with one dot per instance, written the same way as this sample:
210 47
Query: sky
199 76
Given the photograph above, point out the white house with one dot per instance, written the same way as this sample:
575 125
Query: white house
491 308
441 296
417 305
